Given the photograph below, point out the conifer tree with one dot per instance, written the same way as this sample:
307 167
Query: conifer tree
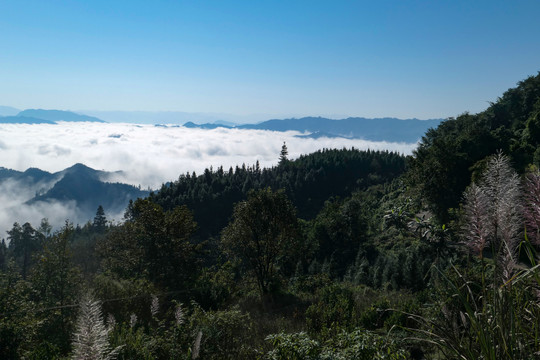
23 242
283 154
100 221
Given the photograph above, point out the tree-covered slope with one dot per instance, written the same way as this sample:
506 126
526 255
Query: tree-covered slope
449 156
308 181
85 186
344 262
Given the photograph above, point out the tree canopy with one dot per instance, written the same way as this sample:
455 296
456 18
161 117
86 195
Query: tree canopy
263 233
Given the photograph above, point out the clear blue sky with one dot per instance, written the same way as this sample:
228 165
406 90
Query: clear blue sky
397 58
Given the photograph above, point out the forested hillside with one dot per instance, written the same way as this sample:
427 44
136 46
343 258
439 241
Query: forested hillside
307 181
339 254
79 188
452 154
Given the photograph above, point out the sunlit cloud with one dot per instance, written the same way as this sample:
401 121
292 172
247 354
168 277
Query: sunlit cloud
146 155
149 155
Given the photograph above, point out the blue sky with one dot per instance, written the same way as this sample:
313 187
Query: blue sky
424 59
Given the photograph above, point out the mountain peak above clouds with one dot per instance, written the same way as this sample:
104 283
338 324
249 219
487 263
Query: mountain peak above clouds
10 115
78 187
58 115
86 187
374 129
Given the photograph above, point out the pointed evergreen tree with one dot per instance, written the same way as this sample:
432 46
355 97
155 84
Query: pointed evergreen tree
100 221
283 154
56 282
23 242
3 255
44 229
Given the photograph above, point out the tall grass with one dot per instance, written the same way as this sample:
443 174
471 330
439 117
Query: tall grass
493 311
91 337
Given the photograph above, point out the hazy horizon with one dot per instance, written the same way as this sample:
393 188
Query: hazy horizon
265 60
178 117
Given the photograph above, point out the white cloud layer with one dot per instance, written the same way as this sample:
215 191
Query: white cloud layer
148 155
151 155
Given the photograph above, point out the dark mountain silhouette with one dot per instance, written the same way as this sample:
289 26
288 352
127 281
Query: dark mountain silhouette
79 183
38 175
31 175
8 173
86 186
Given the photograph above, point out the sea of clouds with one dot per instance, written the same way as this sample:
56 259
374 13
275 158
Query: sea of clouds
147 155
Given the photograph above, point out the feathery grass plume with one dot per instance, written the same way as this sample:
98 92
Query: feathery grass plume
90 340
502 185
476 228
111 322
532 207
197 346
154 306
179 315
496 318
132 320
493 214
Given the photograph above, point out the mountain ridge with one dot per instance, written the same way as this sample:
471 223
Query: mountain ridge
314 127
375 129
88 187
58 115
24 120
40 116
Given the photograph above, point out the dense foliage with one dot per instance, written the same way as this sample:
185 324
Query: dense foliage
307 181
451 155
339 254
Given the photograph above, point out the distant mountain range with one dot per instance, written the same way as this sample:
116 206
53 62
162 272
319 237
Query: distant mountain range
23 120
39 116
8 111
381 129
89 188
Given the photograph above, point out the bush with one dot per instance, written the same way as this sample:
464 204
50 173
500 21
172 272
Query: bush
336 307
358 344
225 334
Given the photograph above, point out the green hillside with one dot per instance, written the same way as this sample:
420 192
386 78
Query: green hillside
308 182
339 254
450 155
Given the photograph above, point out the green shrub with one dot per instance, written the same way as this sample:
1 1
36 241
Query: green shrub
297 346
358 344
225 334
336 307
